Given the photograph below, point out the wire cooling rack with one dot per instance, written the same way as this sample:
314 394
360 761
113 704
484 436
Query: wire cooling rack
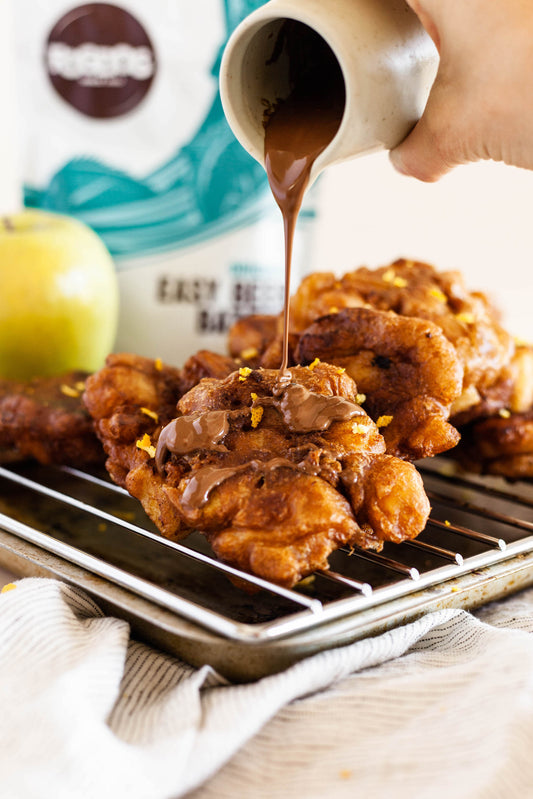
83 518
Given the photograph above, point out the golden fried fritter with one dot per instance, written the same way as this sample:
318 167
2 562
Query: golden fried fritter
496 373
276 474
44 419
500 445
130 397
416 289
205 363
521 377
249 337
257 340
406 368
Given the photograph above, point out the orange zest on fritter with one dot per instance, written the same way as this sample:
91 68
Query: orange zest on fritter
145 443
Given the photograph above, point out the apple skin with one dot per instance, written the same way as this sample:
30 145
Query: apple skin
58 296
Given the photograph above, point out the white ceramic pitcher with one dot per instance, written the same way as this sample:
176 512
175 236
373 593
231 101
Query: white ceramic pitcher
387 60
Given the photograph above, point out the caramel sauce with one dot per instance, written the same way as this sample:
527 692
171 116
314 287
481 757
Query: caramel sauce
304 411
188 433
205 479
298 129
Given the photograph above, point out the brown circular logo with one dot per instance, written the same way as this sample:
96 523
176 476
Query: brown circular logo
100 60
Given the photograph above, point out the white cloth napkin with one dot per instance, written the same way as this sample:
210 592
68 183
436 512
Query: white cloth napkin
442 707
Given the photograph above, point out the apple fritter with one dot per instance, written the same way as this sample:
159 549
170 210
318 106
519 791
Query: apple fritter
205 363
129 398
415 289
406 369
500 445
44 420
493 366
250 336
277 474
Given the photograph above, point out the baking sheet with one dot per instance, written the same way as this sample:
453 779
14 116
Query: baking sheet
261 632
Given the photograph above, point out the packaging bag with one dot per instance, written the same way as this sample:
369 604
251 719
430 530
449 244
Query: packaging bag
122 127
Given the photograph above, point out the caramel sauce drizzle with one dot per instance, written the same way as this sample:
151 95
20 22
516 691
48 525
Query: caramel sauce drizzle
302 411
297 130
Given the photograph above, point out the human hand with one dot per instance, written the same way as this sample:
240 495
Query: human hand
481 104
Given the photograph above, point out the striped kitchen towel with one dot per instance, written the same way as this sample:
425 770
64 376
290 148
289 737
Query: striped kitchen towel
441 707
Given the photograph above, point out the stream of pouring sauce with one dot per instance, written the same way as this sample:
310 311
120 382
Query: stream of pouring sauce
297 130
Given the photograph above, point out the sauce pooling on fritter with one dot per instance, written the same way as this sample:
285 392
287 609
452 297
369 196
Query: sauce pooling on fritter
188 433
302 410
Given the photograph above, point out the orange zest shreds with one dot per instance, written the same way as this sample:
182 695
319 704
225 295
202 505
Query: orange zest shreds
447 523
8 587
315 363
341 370
399 282
389 276
158 363
334 309
504 413
360 398
152 414
80 385
438 294
383 421
145 443
250 352
244 371
256 411
256 414
466 316
69 391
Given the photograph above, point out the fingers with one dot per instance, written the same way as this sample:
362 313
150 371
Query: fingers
480 105
420 155
442 137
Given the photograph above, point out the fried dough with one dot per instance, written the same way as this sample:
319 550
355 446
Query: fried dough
499 445
44 420
271 498
406 368
496 372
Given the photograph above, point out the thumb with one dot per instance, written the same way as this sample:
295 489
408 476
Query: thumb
419 156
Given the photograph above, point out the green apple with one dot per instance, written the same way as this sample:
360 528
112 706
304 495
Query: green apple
58 296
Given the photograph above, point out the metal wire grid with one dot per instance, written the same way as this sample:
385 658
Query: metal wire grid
501 508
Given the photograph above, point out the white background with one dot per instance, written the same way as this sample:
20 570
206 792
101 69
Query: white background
477 219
